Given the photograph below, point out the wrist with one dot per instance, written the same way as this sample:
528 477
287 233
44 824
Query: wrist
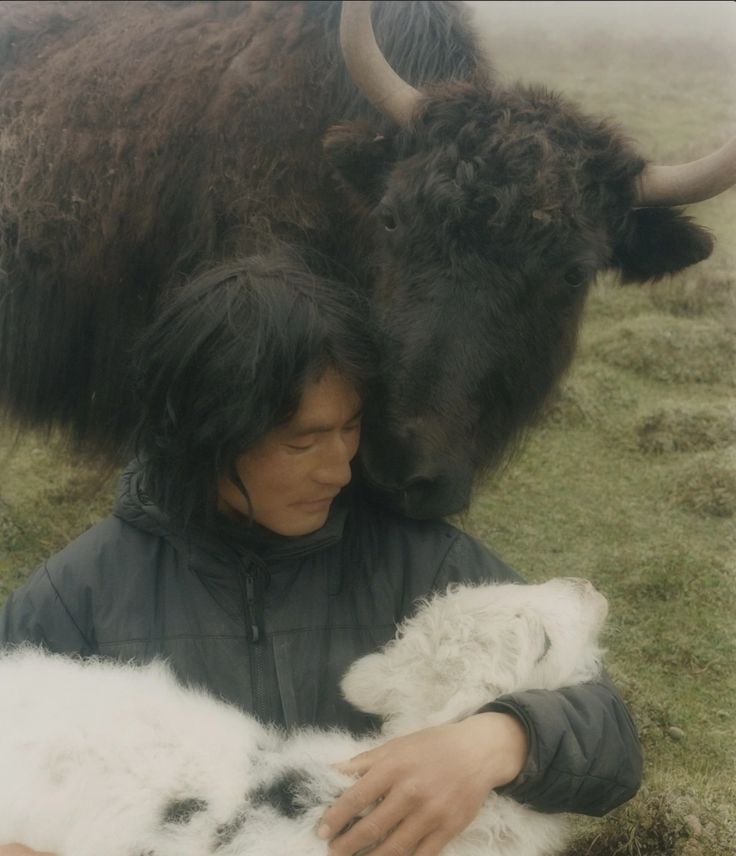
505 741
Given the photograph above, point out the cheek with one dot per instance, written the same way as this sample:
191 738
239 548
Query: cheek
285 475
267 477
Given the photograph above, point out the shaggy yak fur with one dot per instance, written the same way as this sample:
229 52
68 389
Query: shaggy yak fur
100 757
143 140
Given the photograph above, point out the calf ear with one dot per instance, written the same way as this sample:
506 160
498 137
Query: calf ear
367 684
361 158
658 241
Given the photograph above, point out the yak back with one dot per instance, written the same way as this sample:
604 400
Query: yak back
142 140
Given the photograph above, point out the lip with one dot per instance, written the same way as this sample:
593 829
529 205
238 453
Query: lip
317 504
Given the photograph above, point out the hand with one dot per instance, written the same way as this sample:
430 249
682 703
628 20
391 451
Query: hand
421 790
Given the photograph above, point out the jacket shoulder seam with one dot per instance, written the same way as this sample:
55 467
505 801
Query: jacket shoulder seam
73 620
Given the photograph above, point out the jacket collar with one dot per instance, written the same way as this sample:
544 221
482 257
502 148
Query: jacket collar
250 543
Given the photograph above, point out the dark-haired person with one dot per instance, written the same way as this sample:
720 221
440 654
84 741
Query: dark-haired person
240 551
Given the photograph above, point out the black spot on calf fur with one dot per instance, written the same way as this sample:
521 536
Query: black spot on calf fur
182 811
227 831
288 795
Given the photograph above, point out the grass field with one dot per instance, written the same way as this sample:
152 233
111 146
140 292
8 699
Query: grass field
630 479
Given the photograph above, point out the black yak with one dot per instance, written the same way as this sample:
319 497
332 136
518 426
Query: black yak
141 141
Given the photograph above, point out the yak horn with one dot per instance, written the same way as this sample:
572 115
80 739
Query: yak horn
368 67
688 182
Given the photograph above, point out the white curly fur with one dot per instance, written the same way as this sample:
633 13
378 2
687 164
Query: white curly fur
98 757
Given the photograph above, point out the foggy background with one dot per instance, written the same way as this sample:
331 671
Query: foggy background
666 72
711 21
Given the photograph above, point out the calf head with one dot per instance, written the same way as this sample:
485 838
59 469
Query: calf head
467 647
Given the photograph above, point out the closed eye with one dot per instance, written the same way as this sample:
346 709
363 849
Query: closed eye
547 646
350 428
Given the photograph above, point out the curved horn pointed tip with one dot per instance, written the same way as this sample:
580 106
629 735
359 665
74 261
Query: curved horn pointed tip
690 182
367 66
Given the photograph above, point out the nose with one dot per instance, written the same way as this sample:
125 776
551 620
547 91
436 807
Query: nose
333 469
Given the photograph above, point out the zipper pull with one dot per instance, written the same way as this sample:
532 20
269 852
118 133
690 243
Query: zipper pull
250 593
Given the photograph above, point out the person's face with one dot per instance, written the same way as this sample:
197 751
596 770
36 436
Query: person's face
297 469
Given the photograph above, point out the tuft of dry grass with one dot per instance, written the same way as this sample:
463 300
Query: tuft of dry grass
695 295
671 350
573 405
707 485
685 428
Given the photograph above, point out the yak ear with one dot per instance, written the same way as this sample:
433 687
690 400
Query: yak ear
361 158
658 241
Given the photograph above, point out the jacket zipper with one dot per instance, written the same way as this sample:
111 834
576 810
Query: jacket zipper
256 650
251 602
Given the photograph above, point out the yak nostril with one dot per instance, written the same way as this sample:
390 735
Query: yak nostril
418 484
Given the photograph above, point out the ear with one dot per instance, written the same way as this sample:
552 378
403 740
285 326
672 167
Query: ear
366 684
658 241
361 158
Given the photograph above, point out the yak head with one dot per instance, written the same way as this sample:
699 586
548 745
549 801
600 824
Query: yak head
491 212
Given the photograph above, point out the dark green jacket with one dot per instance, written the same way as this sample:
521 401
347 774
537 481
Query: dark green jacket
272 623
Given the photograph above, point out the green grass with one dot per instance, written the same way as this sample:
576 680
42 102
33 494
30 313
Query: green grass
630 479
48 496
654 530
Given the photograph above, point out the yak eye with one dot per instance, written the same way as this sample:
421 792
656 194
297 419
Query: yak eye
389 221
575 276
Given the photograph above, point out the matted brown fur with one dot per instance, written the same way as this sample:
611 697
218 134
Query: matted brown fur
140 140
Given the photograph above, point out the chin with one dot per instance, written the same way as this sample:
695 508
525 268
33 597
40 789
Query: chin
292 529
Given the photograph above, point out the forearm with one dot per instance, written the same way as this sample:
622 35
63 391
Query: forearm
584 752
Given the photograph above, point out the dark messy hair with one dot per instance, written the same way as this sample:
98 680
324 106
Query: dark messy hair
226 360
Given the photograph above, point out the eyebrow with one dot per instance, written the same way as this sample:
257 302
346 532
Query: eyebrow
319 428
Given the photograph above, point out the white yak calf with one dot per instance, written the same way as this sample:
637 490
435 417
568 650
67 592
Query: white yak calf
102 758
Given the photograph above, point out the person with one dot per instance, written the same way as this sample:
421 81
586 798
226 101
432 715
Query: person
243 549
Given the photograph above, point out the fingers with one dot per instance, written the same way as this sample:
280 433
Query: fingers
350 804
410 838
394 813
357 766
